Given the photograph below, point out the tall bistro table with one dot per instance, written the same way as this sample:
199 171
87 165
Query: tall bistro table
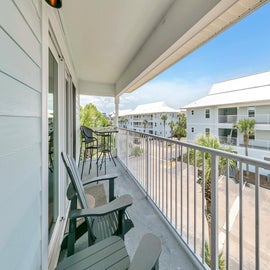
106 140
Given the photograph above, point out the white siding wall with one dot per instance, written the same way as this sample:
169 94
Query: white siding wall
242 111
198 122
20 136
262 135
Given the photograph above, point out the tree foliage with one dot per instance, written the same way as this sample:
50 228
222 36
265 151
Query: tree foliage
91 117
145 123
203 163
246 127
172 125
180 127
164 118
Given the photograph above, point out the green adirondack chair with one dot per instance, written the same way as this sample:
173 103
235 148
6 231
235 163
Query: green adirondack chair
111 254
100 222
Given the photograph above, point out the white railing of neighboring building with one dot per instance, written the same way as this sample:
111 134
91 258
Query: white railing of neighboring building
259 118
255 144
167 171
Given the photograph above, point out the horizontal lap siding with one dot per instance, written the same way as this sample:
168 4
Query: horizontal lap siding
20 135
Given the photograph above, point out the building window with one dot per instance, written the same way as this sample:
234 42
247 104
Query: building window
207 113
252 137
207 131
251 111
192 129
192 112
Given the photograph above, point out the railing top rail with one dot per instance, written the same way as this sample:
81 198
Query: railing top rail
252 161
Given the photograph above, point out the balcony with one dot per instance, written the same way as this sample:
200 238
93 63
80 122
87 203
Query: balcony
232 119
254 144
146 219
166 171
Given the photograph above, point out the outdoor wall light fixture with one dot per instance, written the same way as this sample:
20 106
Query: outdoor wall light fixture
54 3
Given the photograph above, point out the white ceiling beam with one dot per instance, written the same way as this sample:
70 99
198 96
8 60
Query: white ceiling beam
96 89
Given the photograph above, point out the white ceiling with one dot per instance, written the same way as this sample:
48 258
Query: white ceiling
117 45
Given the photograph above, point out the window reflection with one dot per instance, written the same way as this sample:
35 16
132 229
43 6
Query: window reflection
52 149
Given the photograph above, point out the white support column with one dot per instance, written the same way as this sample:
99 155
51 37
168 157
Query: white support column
116 106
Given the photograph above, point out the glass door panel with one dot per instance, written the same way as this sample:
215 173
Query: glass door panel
52 143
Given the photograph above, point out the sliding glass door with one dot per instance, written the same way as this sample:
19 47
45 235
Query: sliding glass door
53 185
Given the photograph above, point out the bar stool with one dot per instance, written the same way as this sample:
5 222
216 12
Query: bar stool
106 138
90 144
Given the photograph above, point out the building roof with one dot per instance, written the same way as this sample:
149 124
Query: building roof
157 107
124 112
249 89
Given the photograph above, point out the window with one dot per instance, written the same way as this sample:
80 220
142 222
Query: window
192 112
207 131
53 123
192 129
251 111
251 136
207 113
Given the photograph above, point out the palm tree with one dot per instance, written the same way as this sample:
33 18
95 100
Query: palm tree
182 119
210 142
181 125
245 126
145 122
164 118
125 122
171 125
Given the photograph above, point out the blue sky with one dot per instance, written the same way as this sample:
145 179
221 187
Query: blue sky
243 49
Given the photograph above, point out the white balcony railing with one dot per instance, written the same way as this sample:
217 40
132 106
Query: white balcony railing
259 118
255 144
173 175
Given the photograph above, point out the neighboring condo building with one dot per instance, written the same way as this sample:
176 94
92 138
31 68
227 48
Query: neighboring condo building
226 103
148 118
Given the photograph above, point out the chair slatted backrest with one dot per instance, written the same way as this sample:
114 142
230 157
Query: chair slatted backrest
76 182
87 134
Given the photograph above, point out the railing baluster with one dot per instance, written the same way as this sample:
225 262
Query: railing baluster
166 179
156 171
147 166
257 217
170 183
203 207
227 215
127 149
181 168
241 218
159 176
163 176
176 188
214 211
188 195
195 201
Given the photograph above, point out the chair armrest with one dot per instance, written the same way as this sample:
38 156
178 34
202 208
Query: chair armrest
121 203
106 177
147 254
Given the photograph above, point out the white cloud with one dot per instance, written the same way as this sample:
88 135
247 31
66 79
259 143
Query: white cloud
175 93
103 104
